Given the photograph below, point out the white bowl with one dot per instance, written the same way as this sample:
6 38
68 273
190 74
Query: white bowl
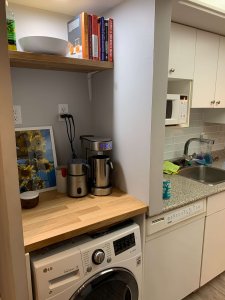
44 44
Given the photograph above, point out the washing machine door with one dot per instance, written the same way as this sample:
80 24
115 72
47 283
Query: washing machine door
110 284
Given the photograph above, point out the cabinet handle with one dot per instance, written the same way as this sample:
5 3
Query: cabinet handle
213 102
172 70
217 102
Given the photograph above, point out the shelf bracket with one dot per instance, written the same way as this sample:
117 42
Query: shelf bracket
89 78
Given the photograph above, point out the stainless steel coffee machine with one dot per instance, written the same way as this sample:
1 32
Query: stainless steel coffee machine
95 149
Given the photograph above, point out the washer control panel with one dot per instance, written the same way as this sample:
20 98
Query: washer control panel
124 243
94 257
98 256
110 248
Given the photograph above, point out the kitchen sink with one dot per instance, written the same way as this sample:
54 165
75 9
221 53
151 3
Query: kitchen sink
204 174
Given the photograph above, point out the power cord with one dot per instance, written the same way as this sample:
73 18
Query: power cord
70 128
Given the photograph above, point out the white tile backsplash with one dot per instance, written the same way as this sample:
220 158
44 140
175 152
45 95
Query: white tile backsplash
175 137
169 140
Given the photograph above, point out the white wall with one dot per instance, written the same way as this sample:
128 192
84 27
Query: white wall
161 52
40 91
130 102
122 98
30 21
176 137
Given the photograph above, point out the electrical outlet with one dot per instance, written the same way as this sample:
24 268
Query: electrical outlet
62 109
17 116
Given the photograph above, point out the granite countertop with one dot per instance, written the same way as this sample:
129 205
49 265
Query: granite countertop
184 190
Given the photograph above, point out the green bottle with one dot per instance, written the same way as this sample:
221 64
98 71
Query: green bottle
11 28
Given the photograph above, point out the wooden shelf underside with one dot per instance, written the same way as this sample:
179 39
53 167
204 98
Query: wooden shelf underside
54 62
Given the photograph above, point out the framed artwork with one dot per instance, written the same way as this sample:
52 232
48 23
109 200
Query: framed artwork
36 158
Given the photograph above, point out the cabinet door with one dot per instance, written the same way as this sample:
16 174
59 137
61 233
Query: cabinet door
173 261
182 51
220 81
213 262
28 268
206 58
215 203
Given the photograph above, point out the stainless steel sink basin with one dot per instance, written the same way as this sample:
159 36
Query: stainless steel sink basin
204 174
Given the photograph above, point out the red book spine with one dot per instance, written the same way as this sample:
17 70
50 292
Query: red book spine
99 40
90 36
95 37
110 40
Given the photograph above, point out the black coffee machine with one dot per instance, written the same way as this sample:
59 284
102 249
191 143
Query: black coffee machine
95 149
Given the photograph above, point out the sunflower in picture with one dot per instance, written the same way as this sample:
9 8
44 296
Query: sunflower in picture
38 183
44 165
22 144
35 159
28 178
25 172
37 146
35 183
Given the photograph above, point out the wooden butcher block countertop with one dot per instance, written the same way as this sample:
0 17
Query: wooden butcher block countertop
58 217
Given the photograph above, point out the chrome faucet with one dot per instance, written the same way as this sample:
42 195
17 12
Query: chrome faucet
201 140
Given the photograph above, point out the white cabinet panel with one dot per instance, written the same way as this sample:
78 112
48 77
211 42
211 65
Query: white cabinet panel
182 51
173 261
215 203
213 262
220 80
27 258
206 59
213 259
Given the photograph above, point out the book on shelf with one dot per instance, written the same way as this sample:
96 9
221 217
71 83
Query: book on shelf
99 40
102 38
90 52
95 37
110 39
106 39
91 37
78 36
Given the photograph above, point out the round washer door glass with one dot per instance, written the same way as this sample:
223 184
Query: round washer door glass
110 284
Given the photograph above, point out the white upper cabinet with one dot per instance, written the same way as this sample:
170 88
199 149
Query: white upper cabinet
220 80
205 74
182 51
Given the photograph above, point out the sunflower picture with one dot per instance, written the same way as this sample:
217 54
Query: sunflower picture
36 159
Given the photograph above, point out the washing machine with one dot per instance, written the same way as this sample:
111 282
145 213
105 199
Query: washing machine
103 266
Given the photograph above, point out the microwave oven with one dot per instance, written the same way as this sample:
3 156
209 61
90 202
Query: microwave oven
176 109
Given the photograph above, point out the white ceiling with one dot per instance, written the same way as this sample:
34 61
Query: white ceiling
198 17
70 7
